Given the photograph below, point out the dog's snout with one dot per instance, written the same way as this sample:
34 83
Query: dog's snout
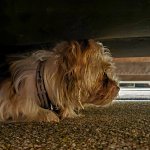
117 88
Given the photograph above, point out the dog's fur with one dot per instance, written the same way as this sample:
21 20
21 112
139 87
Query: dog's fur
75 73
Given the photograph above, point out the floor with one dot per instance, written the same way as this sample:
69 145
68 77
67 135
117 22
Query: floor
124 125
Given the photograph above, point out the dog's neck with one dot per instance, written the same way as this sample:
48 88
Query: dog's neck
45 101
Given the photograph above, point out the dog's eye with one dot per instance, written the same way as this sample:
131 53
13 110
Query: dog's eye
105 76
105 79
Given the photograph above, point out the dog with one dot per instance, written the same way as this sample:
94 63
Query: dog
50 85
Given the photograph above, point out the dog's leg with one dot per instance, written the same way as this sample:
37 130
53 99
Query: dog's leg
44 115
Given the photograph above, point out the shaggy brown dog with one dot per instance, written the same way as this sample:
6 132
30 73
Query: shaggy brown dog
49 85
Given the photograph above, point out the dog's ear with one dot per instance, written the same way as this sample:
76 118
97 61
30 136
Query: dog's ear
70 80
69 64
74 52
71 55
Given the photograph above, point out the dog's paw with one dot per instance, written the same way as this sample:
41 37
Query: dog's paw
44 115
81 115
51 117
68 114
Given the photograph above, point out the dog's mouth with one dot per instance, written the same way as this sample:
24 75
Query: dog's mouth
105 94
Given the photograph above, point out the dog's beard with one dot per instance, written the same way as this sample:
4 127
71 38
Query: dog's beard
75 73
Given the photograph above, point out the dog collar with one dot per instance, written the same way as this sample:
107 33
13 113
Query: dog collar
45 101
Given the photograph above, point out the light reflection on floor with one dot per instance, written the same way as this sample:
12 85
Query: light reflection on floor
132 100
134 94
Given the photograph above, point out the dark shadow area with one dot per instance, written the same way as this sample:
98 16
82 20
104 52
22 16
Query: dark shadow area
122 26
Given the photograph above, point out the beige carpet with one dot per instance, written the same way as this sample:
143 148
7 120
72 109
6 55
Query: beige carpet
121 126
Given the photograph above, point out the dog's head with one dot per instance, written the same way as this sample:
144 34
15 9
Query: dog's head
87 72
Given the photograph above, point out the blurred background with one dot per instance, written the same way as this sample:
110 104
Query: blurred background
122 26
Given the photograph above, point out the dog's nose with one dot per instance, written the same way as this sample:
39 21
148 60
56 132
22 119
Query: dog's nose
118 88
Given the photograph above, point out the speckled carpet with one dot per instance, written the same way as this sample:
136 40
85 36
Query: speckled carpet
121 126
